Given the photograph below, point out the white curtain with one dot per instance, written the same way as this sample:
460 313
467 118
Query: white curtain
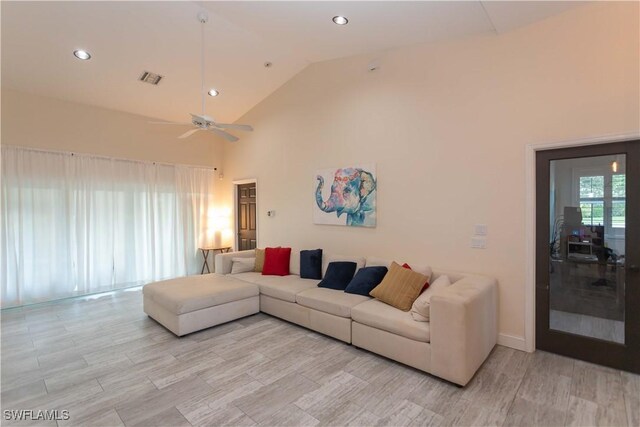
79 224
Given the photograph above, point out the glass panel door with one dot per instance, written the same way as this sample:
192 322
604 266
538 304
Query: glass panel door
587 246
588 253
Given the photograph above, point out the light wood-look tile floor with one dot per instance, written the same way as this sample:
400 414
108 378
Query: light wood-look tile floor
107 363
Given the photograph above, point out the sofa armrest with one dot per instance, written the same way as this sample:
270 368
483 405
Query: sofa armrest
223 261
464 327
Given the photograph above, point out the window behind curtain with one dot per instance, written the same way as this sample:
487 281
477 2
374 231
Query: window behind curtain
76 224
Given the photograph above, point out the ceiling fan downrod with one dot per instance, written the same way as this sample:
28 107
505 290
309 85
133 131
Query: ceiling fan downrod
203 18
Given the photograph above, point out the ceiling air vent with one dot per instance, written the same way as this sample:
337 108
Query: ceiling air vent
150 78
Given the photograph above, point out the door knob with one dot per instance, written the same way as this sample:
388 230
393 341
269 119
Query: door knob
634 268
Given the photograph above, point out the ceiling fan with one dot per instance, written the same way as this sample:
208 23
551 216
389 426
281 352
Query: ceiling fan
202 121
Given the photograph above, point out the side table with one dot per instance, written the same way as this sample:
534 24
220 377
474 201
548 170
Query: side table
205 255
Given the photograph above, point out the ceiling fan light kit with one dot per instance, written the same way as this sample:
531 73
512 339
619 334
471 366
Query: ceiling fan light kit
202 121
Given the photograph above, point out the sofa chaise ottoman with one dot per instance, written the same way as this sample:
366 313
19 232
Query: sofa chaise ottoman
188 304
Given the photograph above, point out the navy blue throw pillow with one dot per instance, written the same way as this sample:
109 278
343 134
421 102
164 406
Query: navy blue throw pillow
338 275
365 280
311 264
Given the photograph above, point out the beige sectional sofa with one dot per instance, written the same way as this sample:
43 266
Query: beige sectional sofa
461 332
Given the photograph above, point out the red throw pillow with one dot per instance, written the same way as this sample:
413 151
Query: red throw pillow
426 284
276 261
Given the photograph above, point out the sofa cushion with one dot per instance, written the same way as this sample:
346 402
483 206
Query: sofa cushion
280 287
379 315
365 280
421 306
422 269
191 293
426 284
259 260
276 261
400 287
378 262
330 301
338 275
251 277
294 263
311 264
242 265
329 258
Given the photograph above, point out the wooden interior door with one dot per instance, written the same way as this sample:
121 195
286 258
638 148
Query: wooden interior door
247 224
588 253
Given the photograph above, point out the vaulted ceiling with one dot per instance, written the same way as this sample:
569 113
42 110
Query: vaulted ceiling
127 38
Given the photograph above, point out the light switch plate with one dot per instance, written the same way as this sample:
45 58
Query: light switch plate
478 243
480 230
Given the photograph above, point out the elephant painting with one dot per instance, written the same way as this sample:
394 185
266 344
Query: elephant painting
353 192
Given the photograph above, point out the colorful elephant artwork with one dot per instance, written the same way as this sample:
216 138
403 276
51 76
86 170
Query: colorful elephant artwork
351 200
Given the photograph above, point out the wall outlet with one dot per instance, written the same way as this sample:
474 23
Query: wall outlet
480 230
478 243
271 213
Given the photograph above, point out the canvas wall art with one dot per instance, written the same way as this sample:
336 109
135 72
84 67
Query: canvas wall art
346 196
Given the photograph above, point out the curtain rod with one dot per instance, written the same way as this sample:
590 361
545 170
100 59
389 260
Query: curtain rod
98 156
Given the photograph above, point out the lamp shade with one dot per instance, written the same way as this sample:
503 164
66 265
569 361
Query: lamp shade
218 226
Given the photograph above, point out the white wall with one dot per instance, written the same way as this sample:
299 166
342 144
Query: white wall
447 125
47 123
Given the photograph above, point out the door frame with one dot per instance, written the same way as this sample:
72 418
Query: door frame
530 222
236 183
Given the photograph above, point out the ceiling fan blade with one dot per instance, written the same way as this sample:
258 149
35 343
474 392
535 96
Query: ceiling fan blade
169 123
224 134
188 133
234 126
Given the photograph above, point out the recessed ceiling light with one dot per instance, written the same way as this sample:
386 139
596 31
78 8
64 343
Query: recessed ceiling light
82 54
213 92
340 20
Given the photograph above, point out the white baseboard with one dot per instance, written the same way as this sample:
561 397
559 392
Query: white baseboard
512 341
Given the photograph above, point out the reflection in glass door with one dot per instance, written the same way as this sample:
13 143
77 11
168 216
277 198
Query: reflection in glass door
586 276
588 253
